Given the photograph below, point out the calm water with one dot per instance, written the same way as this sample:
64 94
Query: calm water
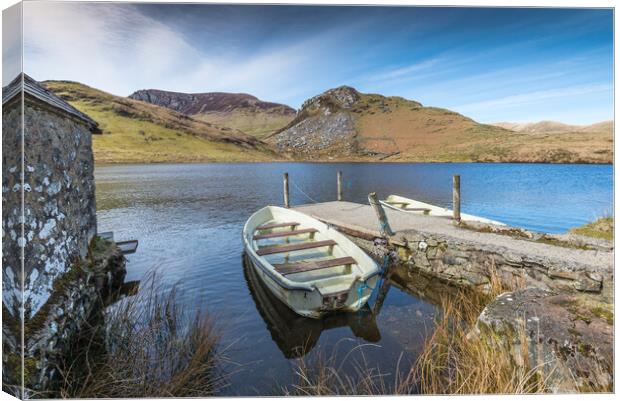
188 219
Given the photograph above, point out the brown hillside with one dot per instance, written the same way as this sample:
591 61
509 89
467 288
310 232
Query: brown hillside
344 124
135 131
546 127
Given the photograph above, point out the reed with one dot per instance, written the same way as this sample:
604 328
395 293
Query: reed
147 347
455 362
451 362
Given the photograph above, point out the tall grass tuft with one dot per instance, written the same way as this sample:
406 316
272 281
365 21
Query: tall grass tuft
455 362
147 347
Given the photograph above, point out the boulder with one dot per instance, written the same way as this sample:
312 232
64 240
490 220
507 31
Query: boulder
568 338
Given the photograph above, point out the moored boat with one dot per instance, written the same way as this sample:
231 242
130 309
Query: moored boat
407 205
296 335
308 265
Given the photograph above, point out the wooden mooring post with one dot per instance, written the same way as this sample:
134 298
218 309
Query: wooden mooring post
339 179
286 197
456 198
384 225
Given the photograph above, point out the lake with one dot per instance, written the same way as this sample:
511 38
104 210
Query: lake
189 217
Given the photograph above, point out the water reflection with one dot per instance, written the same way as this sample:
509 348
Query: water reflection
296 335
188 224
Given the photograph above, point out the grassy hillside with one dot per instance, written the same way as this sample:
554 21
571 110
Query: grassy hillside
137 132
340 124
343 122
256 123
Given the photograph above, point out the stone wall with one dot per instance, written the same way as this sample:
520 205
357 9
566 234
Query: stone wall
476 267
66 267
76 296
11 261
59 200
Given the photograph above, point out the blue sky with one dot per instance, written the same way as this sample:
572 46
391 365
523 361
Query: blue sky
501 64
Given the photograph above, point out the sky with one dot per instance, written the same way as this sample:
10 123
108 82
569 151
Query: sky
490 64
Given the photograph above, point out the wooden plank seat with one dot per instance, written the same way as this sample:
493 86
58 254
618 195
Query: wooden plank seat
290 268
397 203
268 250
286 233
277 225
418 209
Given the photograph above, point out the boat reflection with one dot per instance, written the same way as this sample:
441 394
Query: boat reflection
296 335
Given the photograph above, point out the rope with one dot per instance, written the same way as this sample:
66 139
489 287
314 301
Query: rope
303 193
361 288
360 293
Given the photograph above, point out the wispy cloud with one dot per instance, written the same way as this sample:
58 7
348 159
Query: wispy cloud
119 49
111 47
405 71
533 97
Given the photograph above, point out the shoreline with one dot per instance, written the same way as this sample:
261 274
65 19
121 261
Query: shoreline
121 163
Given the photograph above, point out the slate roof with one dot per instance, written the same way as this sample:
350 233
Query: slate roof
33 89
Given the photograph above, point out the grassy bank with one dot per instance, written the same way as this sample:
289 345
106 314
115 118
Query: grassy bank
452 361
150 348
601 228
146 346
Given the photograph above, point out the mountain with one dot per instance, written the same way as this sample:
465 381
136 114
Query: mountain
546 127
344 124
236 110
135 131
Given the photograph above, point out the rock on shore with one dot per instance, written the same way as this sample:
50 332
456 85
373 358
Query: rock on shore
568 338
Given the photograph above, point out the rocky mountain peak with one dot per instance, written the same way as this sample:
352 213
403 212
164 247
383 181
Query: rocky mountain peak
196 103
342 97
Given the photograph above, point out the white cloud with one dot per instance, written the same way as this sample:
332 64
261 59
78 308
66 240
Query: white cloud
107 46
118 49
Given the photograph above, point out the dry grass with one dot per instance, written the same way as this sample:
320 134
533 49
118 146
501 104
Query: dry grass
455 360
452 361
601 228
258 123
147 348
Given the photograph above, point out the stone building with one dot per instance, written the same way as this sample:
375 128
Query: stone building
48 238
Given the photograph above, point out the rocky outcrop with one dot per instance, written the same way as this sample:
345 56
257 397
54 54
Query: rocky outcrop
324 123
566 339
197 103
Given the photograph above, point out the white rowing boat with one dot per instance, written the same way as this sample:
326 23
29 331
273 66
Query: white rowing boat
407 205
297 335
309 266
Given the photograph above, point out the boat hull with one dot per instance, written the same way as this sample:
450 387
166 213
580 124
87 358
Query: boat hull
433 210
310 303
318 290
